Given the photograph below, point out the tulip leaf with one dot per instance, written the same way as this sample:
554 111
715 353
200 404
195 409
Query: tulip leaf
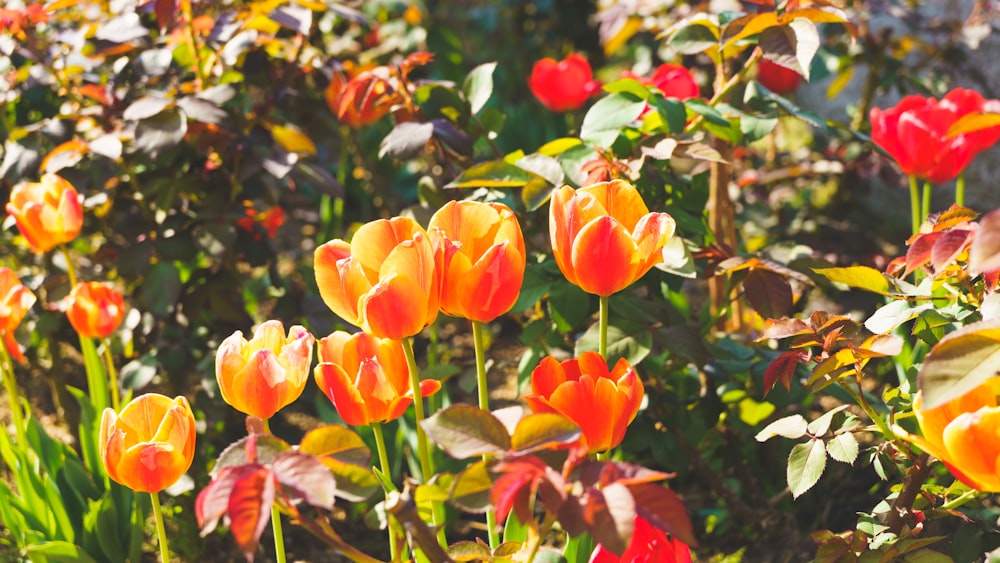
336 442
843 448
806 463
608 116
542 430
478 86
959 363
860 277
57 552
626 339
569 306
471 488
464 431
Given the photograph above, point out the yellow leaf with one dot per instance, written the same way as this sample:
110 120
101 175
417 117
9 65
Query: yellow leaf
293 140
973 122
60 4
628 29
839 83
64 156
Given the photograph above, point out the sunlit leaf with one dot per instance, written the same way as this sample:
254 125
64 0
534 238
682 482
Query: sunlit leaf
478 86
336 442
821 425
792 427
984 252
662 508
250 508
492 174
605 119
806 463
161 131
543 430
293 140
959 363
464 431
843 448
307 476
65 155
471 488
146 106
791 46
630 340
861 277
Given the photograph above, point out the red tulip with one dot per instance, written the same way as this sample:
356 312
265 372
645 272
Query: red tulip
603 236
776 78
366 377
481 257
601 402
363 99
48 213
565 85
95 309
675 81
965 102
649 545
15 300
384 281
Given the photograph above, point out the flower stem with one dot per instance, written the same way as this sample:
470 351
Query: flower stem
926 205
423 452
279 537
69 266
112 375
383 461
161 531
960 190
13 395
479 336
915 205
602 342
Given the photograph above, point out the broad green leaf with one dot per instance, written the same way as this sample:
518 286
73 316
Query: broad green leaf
545 166
464 431
791 427
630 85
406 139
672 112
161 288
629 340
471 489
478 86
710 113
959 363
806 463
861 277
893 314
579 549
843 448
492 174
57 552
821 425
336 442
542 430
693 39
752 411
608 116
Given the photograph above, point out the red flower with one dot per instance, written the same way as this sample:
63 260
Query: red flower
649 545
675 81
564 85
776 78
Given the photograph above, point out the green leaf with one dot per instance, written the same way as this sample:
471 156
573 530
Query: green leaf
471 489
710 113
493 174
630 85
161 288
752 411
336 442
893 314
672 111
608 116
161 131
579 549
559 146
57 552
478 86
792 46
792 427
693 39
843 448
806 463
406 139
545 166
821 425
464 431
861 277
542 430
514 530
959 363
632 341
569 306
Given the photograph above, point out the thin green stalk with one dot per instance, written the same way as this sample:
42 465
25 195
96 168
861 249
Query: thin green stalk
13 395
479 337
926 205
279 536
959 500
602 343
915 205
161 531
960 190
423 452
112 375
69 266
383 461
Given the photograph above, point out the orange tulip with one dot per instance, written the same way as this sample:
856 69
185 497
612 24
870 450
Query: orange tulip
481 257
363 99
15 300
366 377
383 281
48 213
95 309
261 376
963 435
150 445
603 236
600 402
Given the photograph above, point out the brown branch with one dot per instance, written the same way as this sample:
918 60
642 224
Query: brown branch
902 508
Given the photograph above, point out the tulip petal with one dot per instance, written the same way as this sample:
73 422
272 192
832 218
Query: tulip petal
260 389
334 382
341 280
576 401
547 376
620 200
651 234
973 443
375 241
491 287
604 257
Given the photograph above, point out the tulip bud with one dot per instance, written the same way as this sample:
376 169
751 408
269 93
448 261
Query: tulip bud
95 309
48 213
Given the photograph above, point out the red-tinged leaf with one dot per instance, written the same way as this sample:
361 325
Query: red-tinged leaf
165 10
255 448
610 516
516 485
953 216
948 247
769 294
307 476
959 363
919 252
984 252
601 473
791 45
822 321
785 328
250 509
213 501
880 346
833 367
662 508
543 430
336 442
991 279
465 431
100 94
782 369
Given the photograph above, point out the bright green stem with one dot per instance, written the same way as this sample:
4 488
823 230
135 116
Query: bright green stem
112 375
423 452
69 267
602 343
604 456
383 461
13 395
161 531
479 337
279 537
926 205
960 190
915 205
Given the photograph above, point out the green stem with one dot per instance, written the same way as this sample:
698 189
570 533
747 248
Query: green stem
925 210
876 418
383 461
914 205
279 536
69 267
423 452
602 343
13 395
112 375
604 456
161 531
959 500
479 337
960 190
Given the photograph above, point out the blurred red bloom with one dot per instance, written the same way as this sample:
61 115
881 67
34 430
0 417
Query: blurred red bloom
564 85
776 78
649 545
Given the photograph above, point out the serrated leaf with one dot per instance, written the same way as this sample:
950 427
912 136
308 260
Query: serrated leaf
792 45
806 463
471 488
465 431
959 363
406 139
605 119
843 448
478 86
821 425
792 427
861 277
